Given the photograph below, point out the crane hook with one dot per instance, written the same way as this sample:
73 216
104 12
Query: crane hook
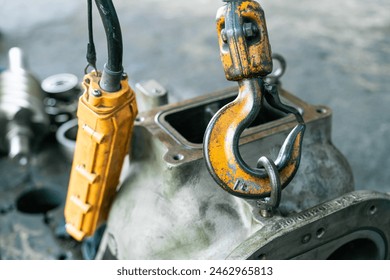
246 58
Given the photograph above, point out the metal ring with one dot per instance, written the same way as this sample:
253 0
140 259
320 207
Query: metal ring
276 187
67 143
278 72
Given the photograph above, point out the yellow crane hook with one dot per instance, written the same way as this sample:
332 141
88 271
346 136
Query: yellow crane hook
246 58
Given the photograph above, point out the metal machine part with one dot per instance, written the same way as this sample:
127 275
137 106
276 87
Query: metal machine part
66 138
22 115
353 226
62 94
62 86
150 94
190 215
31 196
106 113
31 211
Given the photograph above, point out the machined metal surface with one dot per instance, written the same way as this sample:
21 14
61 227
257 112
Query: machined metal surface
352 226
190 214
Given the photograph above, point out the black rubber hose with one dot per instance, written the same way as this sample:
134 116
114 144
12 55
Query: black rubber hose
113 69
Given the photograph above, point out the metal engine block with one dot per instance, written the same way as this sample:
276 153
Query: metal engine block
169 207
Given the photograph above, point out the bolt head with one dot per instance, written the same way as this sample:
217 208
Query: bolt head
96 93
266 213
250 29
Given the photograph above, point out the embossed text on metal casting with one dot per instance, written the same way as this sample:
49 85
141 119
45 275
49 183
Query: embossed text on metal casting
316 211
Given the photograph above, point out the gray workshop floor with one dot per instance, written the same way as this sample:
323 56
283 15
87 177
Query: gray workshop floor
338 55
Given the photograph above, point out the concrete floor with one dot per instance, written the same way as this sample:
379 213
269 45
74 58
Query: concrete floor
338 55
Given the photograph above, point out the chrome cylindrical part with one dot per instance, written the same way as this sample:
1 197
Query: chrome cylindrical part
21 108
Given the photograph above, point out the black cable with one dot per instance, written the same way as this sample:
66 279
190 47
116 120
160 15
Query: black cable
113 33
91 51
